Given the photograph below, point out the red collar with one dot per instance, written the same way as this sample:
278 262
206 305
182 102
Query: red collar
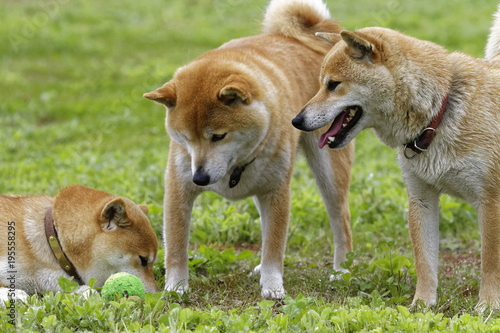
423 142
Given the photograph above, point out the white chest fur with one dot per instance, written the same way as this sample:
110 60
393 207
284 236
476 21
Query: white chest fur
462 178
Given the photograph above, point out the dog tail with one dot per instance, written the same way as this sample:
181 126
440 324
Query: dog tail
493 44
300 19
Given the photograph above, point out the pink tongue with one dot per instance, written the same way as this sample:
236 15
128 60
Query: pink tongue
334 129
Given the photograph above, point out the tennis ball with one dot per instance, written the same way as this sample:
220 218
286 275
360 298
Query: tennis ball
124 284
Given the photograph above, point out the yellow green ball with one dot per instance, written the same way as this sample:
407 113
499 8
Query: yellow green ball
123 284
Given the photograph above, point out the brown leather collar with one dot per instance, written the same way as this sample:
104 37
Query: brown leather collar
423 142
51 234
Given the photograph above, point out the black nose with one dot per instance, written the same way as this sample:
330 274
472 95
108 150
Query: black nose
298 121
201 178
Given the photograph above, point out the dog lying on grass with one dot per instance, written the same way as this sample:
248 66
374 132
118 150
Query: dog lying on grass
81 233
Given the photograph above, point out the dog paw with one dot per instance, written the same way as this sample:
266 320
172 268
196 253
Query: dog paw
16 294
426 302
178 288
278 293
485 302
271 281
85 291
481 307
176 280
337 275
255 271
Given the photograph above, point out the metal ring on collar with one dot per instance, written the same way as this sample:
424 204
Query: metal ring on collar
415 142
406 155
427 129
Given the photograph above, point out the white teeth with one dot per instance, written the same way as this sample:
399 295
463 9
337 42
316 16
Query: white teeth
331 139
352 113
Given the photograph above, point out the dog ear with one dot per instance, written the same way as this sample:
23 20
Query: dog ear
233 93
164 95
359 48
329 37
144 208
114 215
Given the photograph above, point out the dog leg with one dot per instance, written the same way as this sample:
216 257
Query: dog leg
423 220
178 205
256 270
332 170
275 213
489 293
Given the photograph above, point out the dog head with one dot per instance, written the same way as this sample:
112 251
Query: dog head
214 112
103 234
374 78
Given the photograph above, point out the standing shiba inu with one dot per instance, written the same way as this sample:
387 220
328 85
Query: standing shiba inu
81 232
226 116
442 112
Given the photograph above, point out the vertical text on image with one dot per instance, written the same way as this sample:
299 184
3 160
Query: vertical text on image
11 271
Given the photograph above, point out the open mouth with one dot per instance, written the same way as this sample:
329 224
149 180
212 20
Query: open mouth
342 124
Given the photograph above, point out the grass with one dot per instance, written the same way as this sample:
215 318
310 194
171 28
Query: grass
73 75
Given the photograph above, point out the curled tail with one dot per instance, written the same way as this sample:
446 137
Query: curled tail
493 44
300 19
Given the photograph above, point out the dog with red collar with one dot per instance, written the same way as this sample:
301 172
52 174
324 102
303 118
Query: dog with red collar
442 111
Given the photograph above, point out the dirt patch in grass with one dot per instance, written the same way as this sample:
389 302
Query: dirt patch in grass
459 280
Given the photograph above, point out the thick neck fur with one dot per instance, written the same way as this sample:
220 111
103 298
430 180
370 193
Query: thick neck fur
471 108
422 73
71 207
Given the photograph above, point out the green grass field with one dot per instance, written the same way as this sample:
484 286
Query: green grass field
72 78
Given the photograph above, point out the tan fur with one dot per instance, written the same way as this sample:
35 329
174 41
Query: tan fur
493 45
399 82
101 234
248 89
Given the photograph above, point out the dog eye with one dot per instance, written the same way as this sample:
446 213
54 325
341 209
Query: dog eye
144 261
218 137
332 85
229 100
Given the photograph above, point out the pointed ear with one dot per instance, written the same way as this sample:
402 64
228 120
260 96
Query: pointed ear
329 37
164 95
144 208
359 48
114 215
235 92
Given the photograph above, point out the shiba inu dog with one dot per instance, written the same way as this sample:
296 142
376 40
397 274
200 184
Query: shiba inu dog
80 233
226 116
441 111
